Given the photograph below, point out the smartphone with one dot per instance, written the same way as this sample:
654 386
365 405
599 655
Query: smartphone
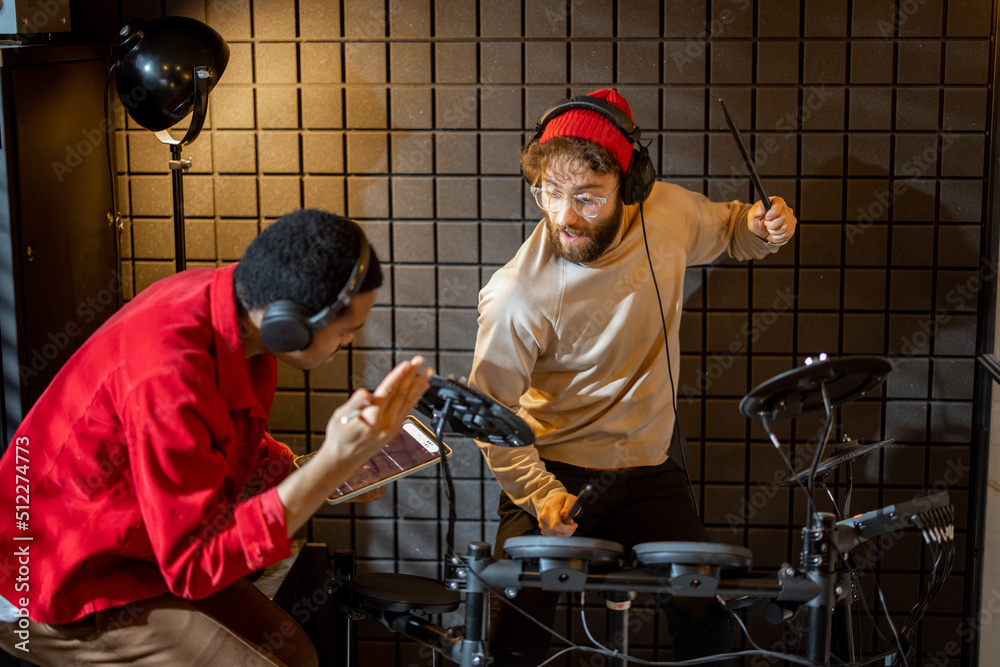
413 449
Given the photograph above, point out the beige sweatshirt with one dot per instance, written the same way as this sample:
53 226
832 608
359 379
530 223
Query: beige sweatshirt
577 351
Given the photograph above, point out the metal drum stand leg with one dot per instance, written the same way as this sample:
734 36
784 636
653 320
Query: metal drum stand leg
618 604
820 564
345 641
473 647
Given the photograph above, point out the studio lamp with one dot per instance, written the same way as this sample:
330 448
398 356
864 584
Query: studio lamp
164 70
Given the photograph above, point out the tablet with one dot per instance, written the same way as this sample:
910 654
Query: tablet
413 449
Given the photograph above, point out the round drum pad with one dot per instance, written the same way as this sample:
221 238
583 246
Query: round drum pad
664 554
594 551
402 592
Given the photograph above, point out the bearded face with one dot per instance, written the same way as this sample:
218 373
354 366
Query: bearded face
575 237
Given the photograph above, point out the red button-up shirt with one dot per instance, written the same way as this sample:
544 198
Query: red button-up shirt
134 461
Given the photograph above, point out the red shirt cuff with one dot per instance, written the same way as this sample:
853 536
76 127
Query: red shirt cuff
263 530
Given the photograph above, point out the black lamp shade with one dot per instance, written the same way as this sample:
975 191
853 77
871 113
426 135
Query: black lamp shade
156 68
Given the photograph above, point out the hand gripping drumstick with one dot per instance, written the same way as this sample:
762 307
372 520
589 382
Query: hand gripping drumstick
746 157
586 495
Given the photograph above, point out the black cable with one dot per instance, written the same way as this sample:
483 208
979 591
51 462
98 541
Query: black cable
109 136
900 649
855 572
449 483
571 646
819 449
777 446
670 372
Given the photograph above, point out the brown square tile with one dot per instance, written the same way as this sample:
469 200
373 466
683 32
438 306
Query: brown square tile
151 196
278 106
277 62
320 62
278 152
317 21
323 152
367 197
322 107
232 107
230 17
233 237
279 195
236 196
235 152
274 20
324 192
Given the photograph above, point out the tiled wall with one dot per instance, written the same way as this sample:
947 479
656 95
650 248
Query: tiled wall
406 115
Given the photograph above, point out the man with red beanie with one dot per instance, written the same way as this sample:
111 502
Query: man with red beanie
574 334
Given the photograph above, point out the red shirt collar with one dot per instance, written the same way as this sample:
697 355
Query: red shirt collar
235 369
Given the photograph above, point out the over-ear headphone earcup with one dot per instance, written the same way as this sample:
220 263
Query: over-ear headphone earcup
285 327
637 182
644 174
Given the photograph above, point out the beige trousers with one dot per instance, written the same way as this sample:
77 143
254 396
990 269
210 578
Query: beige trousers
238 625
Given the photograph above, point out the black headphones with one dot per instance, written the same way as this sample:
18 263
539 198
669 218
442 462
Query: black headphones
637 182
288 326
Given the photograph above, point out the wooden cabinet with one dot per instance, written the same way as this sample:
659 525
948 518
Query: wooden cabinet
59 274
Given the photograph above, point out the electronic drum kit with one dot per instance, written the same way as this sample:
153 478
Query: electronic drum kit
822 588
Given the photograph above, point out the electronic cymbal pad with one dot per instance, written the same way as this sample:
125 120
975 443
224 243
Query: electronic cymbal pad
800 390
473 414
842 454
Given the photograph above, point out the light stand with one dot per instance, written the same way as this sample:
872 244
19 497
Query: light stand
165 69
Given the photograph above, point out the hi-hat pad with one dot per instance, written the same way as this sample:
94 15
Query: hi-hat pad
473 414
841 455
800 390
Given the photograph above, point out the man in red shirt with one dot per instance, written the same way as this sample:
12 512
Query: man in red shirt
127 539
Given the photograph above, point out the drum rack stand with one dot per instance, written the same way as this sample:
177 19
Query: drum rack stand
818 587
825 591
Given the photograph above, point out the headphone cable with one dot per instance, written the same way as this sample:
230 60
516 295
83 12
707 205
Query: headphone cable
670 372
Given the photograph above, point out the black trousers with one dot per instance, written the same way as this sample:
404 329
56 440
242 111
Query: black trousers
650 504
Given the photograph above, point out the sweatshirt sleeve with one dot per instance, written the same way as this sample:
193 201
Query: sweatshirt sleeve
185 453
507 347
722 226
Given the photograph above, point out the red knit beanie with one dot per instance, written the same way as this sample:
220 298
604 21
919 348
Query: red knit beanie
595 126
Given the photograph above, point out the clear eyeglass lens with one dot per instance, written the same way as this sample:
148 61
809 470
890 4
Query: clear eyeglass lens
553 202
587 207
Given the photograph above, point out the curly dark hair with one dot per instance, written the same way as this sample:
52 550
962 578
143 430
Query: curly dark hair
306 256
536 158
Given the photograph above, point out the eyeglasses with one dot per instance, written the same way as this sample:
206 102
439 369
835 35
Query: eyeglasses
585 204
